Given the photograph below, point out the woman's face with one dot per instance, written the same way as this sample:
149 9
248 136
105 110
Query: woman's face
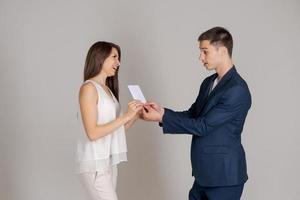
111 63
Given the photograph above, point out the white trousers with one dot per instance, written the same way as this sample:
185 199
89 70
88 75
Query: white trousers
101 186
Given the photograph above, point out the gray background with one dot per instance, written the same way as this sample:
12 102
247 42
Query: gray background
43 45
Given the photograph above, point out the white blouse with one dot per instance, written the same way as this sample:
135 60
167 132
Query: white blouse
101 154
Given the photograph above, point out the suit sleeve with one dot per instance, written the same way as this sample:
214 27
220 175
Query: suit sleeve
182 114
186 114
235 101
190 112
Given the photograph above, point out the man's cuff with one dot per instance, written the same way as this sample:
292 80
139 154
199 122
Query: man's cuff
161 124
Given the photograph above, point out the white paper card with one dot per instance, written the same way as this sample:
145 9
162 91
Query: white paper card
136 93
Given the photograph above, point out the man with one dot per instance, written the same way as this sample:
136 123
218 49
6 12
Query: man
215 120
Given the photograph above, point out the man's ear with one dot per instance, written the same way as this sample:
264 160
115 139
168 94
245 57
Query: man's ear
223 50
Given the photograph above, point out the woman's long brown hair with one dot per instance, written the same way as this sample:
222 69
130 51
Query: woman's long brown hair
94 62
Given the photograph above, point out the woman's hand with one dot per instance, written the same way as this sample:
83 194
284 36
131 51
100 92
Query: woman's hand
134 108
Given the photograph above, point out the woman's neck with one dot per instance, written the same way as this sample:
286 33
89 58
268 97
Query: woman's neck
100 78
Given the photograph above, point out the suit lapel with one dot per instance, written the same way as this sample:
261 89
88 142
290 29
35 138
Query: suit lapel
217 90
202 101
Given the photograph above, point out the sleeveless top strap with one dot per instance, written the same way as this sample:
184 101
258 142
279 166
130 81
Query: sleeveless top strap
96 85
102 92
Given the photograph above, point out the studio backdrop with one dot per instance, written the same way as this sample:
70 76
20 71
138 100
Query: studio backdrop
43 45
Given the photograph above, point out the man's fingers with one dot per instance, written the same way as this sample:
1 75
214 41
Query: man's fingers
150 109
147 107
145 110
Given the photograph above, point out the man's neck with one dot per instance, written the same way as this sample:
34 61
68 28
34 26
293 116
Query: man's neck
223 69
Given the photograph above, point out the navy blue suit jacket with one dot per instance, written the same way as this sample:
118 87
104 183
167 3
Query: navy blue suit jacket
216 122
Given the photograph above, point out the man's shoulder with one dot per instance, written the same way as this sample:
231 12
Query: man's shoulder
238 80
237 86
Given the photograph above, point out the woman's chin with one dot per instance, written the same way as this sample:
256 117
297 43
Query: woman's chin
112 74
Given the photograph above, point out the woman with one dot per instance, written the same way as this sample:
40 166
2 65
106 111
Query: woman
103 145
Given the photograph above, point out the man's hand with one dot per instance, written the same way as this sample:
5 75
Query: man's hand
153 112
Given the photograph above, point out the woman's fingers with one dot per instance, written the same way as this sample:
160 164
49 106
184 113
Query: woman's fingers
139 107
135 105
134 102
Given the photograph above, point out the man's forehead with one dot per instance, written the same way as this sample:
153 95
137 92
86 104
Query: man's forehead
204 44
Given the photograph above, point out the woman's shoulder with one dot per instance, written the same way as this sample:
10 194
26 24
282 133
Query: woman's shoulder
87 89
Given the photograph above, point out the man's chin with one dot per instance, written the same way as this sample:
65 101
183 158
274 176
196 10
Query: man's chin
208 68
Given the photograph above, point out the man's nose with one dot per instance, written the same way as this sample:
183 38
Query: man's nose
201 57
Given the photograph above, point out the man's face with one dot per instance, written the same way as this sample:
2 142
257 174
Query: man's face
210 55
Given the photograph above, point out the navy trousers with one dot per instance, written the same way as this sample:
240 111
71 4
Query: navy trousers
216 193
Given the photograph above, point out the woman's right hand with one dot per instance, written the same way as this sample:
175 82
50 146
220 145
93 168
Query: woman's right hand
134 107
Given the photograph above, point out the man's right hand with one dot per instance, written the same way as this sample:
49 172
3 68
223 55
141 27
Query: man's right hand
153 112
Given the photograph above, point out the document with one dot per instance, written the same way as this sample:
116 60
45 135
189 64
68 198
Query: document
136 93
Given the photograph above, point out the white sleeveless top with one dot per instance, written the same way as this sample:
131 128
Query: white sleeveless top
101 154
